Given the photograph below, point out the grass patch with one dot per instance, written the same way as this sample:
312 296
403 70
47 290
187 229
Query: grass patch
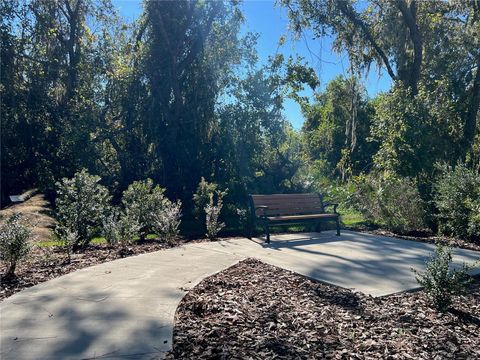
49 243
99 240
352 219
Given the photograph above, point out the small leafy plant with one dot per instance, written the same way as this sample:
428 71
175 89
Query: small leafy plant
81 205
212 213
14 246
208 200
167 221
120 228
68 238
201 197
441 282
142 200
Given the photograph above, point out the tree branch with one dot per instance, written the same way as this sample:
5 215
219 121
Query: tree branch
346 10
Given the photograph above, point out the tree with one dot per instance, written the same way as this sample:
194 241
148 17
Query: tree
191 48
393 35
337 129
53 70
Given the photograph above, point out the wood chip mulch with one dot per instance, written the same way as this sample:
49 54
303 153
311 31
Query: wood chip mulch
257 311
46 263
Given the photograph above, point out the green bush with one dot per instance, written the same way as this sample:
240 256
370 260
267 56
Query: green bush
457 198
439 281
68 238
390 201
120 228
167 221
201 197
81 205
208 203
14 246
212 214
142 200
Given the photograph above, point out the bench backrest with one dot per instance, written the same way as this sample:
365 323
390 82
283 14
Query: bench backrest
288 204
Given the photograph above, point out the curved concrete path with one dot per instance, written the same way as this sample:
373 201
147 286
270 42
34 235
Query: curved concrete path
125 309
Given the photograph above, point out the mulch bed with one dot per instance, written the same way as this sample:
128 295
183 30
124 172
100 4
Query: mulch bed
46 263
257 311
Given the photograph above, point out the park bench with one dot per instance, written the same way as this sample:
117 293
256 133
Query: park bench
291 209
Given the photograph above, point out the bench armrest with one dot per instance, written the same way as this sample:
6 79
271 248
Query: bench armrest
335 205
263 208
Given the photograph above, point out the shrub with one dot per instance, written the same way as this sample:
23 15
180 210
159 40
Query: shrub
14 246
68 239
441 283
167 221
120 228
110 228
201 197
81 205
243 218
143 200
392 201
457 198
212 214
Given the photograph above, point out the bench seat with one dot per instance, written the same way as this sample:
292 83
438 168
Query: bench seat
301 217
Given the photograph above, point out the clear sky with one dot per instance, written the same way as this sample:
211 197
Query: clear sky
271 22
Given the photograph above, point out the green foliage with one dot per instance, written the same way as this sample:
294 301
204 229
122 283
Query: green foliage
336 130
411 135
14 246
391 201
441 283
81 205
212 214
120 228
142 200
167 221
202 196
179 94
68 240
457 198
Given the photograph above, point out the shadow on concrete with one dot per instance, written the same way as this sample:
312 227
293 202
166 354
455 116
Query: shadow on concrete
78 324
359 260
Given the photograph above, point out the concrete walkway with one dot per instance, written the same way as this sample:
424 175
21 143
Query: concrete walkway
125 309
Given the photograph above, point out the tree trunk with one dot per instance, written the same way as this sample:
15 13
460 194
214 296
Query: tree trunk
470 127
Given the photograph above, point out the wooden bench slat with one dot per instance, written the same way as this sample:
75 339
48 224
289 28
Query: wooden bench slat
291 210
289 203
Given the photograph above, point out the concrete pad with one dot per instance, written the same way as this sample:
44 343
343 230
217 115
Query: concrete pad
125 309
372 264
118 310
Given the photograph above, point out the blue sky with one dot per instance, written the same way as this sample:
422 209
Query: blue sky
271 22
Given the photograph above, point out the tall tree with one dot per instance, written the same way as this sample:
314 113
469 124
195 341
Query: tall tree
431 47
337 128
192 46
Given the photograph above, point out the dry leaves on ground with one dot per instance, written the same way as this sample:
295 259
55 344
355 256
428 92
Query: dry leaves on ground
257 311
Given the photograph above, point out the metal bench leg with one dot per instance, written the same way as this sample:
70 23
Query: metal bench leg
267 232
338 226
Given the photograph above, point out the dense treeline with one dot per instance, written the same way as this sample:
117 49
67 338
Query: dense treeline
175 96
179 95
